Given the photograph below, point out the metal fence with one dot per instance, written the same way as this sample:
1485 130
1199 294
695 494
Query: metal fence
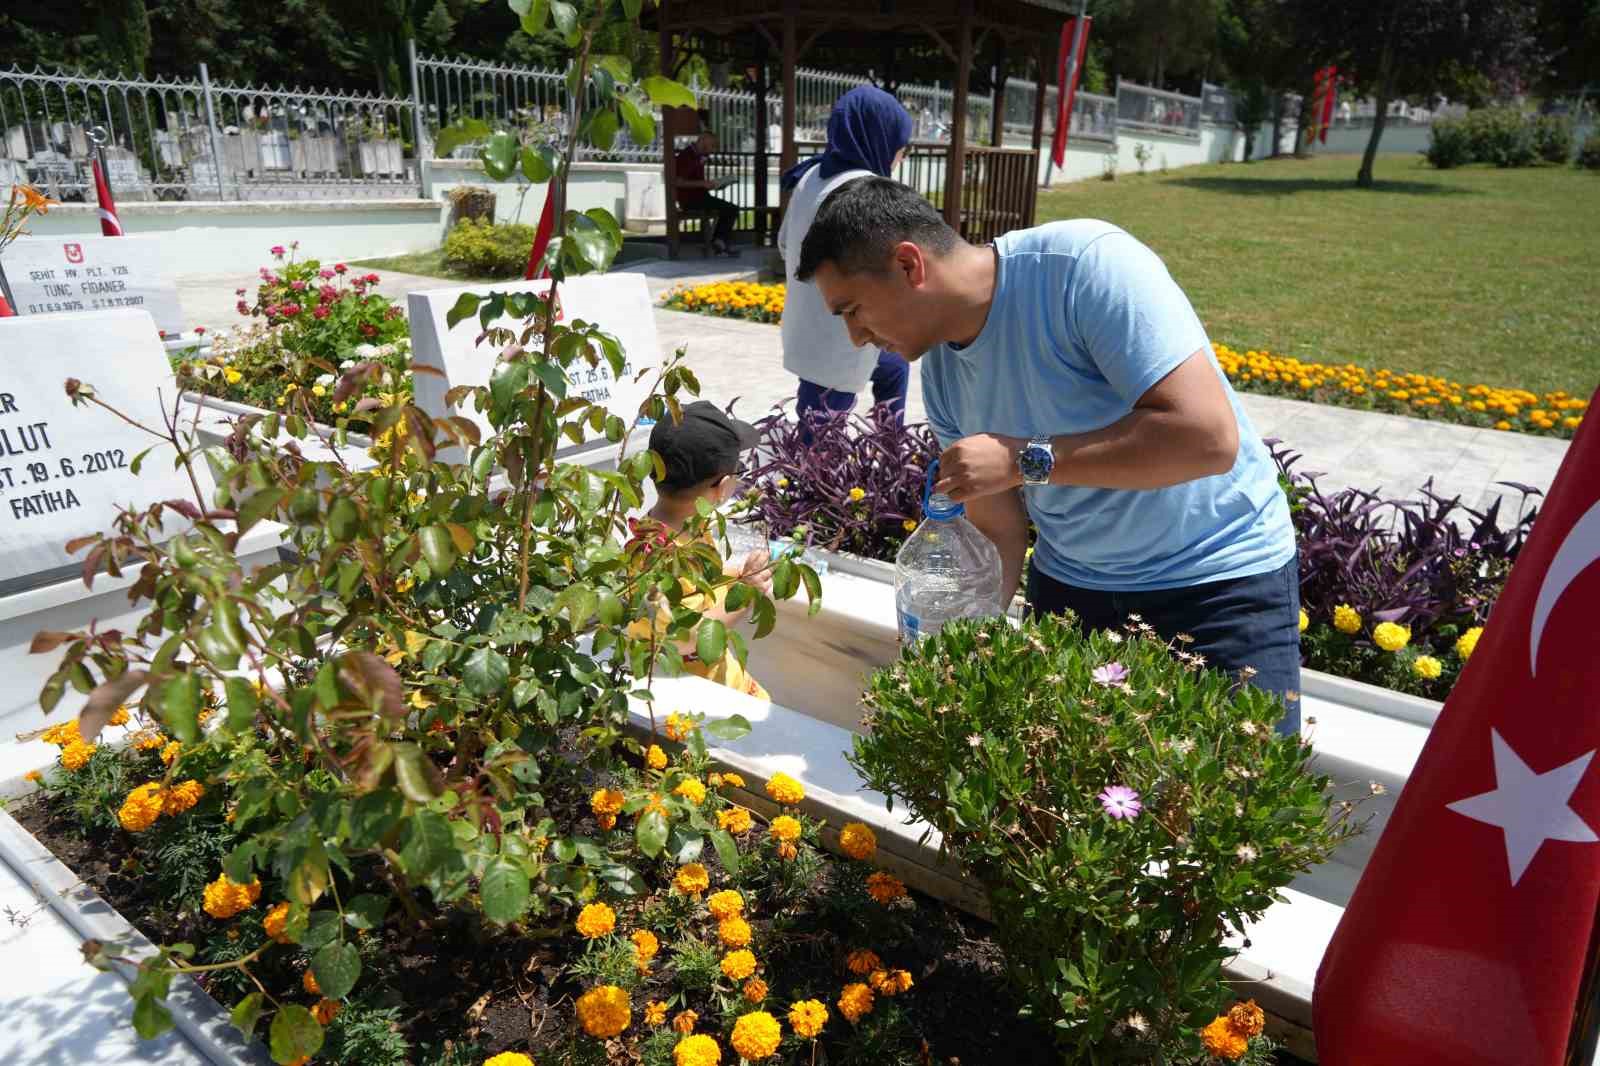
201 140
1142 108
1217 105
1094 117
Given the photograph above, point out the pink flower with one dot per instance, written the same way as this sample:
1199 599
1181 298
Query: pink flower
244 308
325 274
266 275
393 312
290 310
339 268
1120 802
1110 674
328 294
238 292
368 329
162 332
321 311
277 251
273 310
372 279
199 329
298 286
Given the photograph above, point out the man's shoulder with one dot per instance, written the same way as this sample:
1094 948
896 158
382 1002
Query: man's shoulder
1069 237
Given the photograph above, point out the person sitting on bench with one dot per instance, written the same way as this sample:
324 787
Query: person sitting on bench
693 190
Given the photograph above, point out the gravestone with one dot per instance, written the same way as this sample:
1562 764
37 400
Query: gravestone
617 303
59 274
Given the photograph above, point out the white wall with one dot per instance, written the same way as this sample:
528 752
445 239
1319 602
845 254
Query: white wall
592 185
233 238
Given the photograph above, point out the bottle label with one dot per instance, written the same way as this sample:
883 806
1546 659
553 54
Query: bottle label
910 628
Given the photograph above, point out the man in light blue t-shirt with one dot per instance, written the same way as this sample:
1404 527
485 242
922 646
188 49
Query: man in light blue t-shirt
1069 381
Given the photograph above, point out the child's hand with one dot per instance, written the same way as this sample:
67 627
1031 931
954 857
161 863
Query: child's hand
753 569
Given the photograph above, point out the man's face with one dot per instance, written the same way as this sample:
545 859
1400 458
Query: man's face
884 308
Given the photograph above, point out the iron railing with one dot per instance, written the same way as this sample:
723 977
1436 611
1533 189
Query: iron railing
1148 110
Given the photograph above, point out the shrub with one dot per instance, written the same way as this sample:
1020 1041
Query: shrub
1449 143
1552 138
484 249
1500 135
856 487
1017 745
1589 154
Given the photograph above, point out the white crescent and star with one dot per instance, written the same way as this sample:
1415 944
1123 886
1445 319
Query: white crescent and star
1577 552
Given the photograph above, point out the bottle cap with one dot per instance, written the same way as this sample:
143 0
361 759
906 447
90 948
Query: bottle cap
936 505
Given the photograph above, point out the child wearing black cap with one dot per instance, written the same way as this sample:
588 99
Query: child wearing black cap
700 460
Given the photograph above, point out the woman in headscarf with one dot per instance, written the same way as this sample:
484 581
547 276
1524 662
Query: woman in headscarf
867 134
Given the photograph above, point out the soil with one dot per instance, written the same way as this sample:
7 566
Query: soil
455 987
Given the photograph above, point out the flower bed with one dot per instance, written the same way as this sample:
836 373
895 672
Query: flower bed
313 329
1555 414
748 300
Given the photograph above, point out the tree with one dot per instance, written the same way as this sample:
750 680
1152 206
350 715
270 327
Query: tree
1156 42
437 27
1396 48
124 30
1569 32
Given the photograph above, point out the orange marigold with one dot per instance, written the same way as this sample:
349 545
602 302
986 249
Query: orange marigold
596 920
734 932
784 789
308 981
785 828
683 1021
224 898
807 1018
275 922
863 961
858 841
181 797
645 945
692 879
1247 1018
734 820
737 965
725 904
885 888
604 1011
1222 1040
855 1001
755 990
325 1011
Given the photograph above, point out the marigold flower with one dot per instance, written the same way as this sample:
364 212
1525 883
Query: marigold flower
325 1011
678 727
1390 637
785 828
696 1050
787 851
1223 1041
734 932
76 754
691 879
755 990
725 904
604 1011
606 821
909 525
508 1058
1246 1018
149 740
62 734
645 945
170 753
655 758
807 1018
785 789
308 981
181 797
732 780
863 961
857 494
756 1035
655 1012
33 775
884 887
275 922
889 982
691 789
683 1021
858 841
1467 643
1346 619
735 820
737 965
224 898
118 716
855 1001
1305 621
1427 667
141 808
596 920
606 801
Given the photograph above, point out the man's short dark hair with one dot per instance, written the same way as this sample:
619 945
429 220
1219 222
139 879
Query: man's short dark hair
860 222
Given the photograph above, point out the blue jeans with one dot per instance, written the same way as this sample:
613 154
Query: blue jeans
1245 622
890 379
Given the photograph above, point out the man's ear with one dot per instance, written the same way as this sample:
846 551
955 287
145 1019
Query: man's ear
910 261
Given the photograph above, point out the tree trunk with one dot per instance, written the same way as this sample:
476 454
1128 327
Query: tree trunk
1304 121
1277 126
1385 93
1249 142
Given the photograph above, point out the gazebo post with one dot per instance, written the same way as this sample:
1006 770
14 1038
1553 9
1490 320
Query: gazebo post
763 55
957 160
791 49
997 117
668 156
1041 58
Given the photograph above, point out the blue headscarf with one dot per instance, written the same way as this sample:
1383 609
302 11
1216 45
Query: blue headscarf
865 130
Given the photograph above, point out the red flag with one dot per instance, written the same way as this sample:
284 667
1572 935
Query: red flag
1065 92
1329 92
110 224
541 236
1464 942
5 308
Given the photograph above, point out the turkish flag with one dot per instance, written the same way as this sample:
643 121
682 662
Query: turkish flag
1065 92
110 224
541 236
1329 93
1465 941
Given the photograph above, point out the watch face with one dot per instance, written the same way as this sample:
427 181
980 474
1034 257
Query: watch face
1035 463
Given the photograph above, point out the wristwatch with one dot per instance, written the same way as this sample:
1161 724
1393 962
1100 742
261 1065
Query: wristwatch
1036 460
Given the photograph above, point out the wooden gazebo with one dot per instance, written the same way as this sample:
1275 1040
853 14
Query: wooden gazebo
983 190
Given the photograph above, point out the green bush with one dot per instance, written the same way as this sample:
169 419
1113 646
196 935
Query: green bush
1449 143
1005 740
1502 136
1552 138
484 249
1589 154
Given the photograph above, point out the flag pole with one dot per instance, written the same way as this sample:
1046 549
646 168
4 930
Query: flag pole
1064 89
98 135
1584 1042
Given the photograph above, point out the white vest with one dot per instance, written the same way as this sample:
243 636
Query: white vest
816 345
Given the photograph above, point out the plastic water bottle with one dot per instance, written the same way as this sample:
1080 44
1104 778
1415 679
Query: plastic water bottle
946 569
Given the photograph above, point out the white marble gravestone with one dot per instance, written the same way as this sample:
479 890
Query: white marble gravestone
49 275
617 303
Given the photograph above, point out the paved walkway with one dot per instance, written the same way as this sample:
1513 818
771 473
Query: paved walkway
744 360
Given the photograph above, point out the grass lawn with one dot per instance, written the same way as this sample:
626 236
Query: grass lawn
1478 274
431 263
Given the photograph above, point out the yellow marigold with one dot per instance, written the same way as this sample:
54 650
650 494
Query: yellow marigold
909 525
785 828
325 1011
1390 637
1222 1040
863 961
645 945
678 726
33 775
755 990
756 1035
1246 1018
734 932
181 797
732 780
854 1001
1427 667
655 758
1467 643
275 922
885 888
74 755
735 820
697 1050
683 1021
785 789
606 821
713 780
150 741
857 494
787 851
737 965
807 1018
1305 621
170 753
141 808
691 789
655 1012
604 1011
606 801
691 879
1346 619
62 733
889 982
509 1058
118 716
725 904
224 898
858 841
308 981
596 920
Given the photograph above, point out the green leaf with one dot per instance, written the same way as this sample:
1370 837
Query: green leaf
651 833
366 911
733 727
322 928
437 548
631 8
813 585
534 15
711 641
262 505
461 131
344 520
506 382
486 672
178 702
337 968
429 843
565 17
466 306
246 1013
539 162
603 129
641 123
373 816
615 65
295 1033
150 1018
593 240
727 850
664 92
503 891
499 156
738 595
411 773
602 218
